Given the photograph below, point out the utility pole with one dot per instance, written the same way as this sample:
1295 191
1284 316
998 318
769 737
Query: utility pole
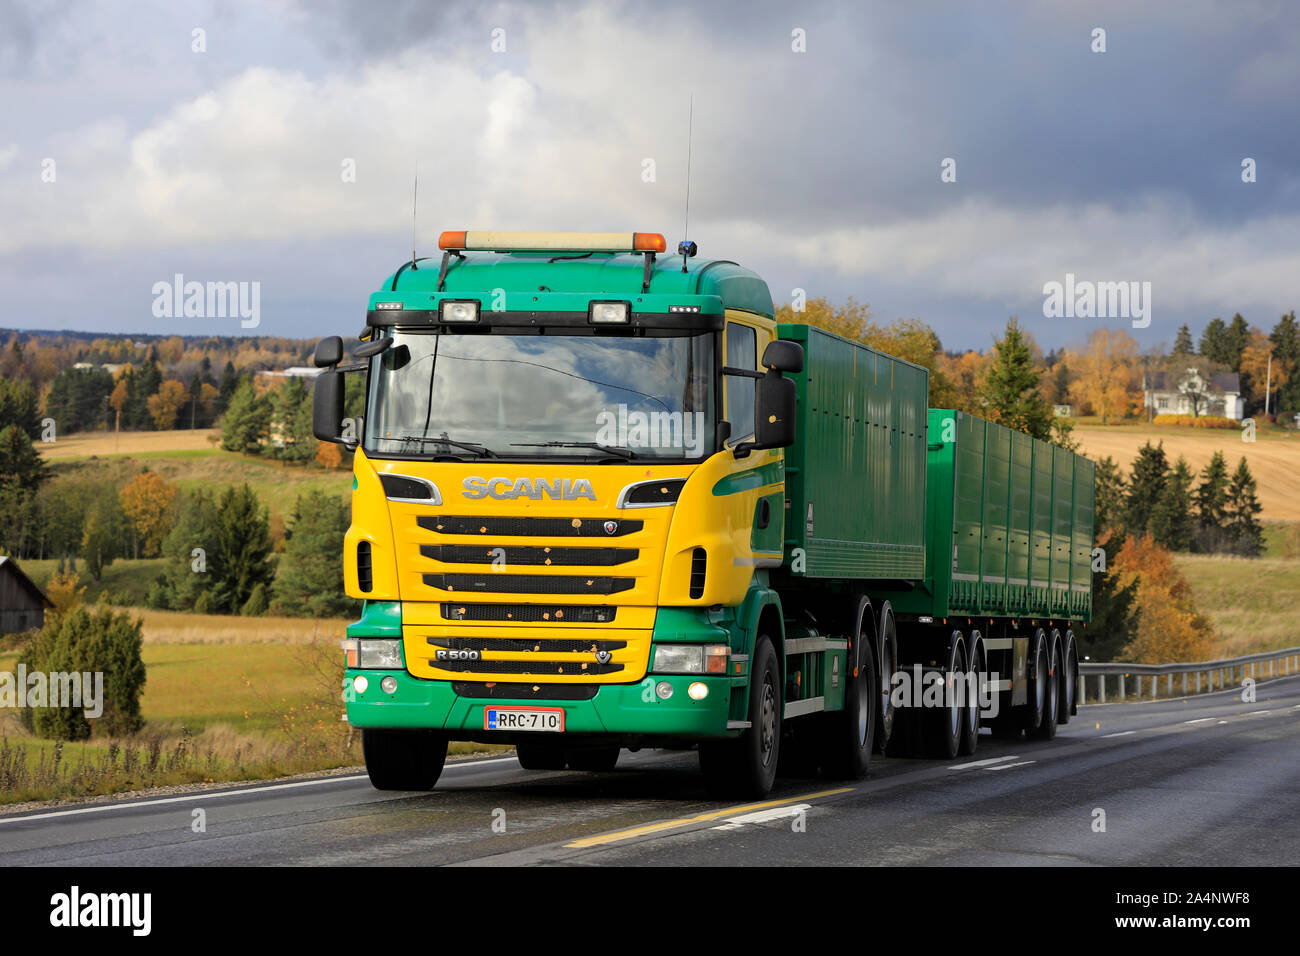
1268 383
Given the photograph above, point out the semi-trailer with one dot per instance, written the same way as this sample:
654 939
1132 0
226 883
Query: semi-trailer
602 499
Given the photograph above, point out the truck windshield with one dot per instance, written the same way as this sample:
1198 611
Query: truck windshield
542 396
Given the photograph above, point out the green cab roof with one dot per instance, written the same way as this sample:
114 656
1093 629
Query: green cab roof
552 277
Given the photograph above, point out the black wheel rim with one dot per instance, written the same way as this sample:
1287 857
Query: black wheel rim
767 722
973 688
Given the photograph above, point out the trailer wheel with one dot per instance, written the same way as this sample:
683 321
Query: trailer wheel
1069 680
1051 690
535 755
1031 717
945 725
850 736
887 715
403 759
745 768
970 736
593 759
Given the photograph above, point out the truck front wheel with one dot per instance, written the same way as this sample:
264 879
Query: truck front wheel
745 768
403 759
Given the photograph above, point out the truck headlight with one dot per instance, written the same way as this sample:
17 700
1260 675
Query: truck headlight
690 659
458 310
379 654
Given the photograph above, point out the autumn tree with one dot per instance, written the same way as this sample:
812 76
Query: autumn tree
149 504
1260 370
851 320
117 401
166 404
1106 375
1170 629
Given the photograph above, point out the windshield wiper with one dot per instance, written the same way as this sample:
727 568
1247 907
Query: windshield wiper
481 450
611 449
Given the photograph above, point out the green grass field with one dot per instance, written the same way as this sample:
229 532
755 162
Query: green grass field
277 484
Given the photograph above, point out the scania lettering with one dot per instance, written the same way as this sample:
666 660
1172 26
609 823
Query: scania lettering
749 584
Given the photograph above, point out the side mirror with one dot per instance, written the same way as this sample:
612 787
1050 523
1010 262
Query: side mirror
329 352
783 356
327 403
774 409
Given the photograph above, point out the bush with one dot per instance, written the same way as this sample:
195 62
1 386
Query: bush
255 606
98 641
1196 421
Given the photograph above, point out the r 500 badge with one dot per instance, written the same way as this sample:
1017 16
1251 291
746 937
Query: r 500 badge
442 654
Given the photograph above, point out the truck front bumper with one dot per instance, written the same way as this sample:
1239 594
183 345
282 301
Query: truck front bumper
627 709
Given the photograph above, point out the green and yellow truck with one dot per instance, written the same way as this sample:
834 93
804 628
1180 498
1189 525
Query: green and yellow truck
603 500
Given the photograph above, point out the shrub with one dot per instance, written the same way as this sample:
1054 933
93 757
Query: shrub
98 641
1196 421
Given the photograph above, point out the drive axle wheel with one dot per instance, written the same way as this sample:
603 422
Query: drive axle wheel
745 768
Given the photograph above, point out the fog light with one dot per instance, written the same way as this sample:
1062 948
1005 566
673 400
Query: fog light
388 685
359 683
664 690
698 691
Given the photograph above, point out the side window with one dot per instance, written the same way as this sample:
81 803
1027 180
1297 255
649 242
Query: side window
742 352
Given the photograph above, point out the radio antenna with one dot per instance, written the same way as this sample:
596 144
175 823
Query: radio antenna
686 226
415 195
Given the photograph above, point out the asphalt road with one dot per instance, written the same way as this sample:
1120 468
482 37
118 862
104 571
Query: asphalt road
1206 781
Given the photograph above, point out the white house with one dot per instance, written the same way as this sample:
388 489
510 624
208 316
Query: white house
1192 393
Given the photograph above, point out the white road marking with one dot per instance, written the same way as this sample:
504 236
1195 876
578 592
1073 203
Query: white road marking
1254 712
764 816
1198 720
1122 733
1008 766
982 763
217 794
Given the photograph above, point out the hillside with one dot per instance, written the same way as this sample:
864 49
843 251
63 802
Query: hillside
1274 459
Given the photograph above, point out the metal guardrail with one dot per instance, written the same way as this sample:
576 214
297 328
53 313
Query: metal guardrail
1288 659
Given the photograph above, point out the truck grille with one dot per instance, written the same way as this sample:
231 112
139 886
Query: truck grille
534 668
542 645
531 613
524 691
528 527
558 557
529 583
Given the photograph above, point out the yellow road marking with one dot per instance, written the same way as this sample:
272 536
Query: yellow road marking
620 835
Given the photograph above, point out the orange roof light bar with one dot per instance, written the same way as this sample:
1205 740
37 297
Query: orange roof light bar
481 241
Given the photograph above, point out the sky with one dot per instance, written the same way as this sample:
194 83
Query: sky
939 161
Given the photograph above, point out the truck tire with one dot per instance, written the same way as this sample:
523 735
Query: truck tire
536 755
943 731
745 768
970 736
887 715
1052 690
849 736
593 759
1069 679
403 759
1031 715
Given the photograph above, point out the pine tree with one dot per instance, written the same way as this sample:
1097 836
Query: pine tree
1246 532
1010 390
310 582
1183 343
1172 525
245 425
1109 496
1285 338
21 465
1211 505
226 389
1214 341
244 559
1236 339
1150 474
